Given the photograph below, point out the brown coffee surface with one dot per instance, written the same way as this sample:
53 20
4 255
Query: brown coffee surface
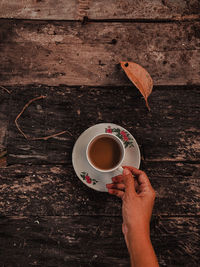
104 153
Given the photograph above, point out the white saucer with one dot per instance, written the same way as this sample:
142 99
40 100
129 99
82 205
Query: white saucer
85 172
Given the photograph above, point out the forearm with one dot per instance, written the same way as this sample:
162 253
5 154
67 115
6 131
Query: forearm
141 250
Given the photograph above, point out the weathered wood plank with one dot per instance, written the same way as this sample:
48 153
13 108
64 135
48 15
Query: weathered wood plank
69 241
169 132
4 113
69 53
69 10
55 190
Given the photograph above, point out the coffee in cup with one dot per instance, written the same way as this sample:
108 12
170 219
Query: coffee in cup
105 152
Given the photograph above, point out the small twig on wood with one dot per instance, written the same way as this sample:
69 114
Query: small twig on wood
2 87
50 136
37 138
18 116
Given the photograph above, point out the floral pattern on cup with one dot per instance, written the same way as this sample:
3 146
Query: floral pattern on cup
122 135
87 178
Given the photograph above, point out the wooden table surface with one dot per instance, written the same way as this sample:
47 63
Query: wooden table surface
70 51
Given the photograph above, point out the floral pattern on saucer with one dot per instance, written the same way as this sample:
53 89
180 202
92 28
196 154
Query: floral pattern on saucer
122 135
87 178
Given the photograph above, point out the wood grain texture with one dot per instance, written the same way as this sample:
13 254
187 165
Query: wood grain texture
70 53
56 191
48 217
169 132
69 241
130 9
4 114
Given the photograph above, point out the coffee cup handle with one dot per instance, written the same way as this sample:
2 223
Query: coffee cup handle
120 170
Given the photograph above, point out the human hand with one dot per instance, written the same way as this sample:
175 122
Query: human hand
138 196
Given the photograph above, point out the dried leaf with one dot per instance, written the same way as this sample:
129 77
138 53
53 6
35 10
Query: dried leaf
139 77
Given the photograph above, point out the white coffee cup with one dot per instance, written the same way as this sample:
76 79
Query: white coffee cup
117 167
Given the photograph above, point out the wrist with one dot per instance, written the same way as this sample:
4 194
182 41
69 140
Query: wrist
139 230
138 237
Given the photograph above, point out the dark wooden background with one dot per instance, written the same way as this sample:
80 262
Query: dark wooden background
70 52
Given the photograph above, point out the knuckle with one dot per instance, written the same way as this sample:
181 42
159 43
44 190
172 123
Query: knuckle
117 193
145 176
119 186
143 173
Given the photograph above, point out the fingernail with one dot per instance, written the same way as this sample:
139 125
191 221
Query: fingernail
126 172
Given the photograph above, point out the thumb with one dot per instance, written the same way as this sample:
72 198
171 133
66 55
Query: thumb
128 180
